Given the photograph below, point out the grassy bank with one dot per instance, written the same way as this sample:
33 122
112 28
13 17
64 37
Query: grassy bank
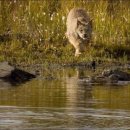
34 31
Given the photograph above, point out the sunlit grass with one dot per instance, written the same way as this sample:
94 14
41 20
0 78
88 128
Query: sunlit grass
45 23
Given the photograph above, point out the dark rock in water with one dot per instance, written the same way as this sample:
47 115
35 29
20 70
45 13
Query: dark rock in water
113 77
14 75
98 80
108 77
116 74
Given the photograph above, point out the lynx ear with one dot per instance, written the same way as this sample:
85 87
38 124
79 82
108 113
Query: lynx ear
81 20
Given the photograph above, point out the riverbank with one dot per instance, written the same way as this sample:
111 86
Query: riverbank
23 54
33 32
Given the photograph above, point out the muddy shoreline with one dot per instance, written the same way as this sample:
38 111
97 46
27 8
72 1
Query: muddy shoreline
100 72
48 71
87 65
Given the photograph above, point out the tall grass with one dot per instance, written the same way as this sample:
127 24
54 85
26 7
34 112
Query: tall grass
45 23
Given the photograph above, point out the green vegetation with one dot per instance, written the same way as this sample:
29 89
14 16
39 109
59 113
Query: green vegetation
34 31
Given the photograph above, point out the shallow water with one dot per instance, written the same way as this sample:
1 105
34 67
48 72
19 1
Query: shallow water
64 103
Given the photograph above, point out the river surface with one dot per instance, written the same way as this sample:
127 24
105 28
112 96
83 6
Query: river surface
63 103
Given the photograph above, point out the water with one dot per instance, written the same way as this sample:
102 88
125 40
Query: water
64 103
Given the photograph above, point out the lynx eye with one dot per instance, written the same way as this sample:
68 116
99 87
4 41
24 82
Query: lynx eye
81 30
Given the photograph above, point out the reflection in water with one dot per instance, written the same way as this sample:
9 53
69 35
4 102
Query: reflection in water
78 94
64 103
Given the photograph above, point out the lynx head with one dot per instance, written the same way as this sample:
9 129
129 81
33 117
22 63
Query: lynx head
84 28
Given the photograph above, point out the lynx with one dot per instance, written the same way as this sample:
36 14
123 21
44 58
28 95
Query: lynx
79 29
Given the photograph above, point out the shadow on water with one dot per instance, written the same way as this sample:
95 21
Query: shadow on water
64 103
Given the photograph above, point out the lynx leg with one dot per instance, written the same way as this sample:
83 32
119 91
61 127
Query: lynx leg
77 52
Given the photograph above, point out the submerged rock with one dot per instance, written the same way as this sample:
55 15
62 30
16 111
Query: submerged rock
14 75
98 80
116 74
111 77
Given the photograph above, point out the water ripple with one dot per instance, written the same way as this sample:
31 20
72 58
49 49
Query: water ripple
32 118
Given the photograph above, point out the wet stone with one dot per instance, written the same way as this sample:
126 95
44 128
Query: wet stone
14 75
116 74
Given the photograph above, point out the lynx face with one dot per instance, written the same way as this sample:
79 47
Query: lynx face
84 30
